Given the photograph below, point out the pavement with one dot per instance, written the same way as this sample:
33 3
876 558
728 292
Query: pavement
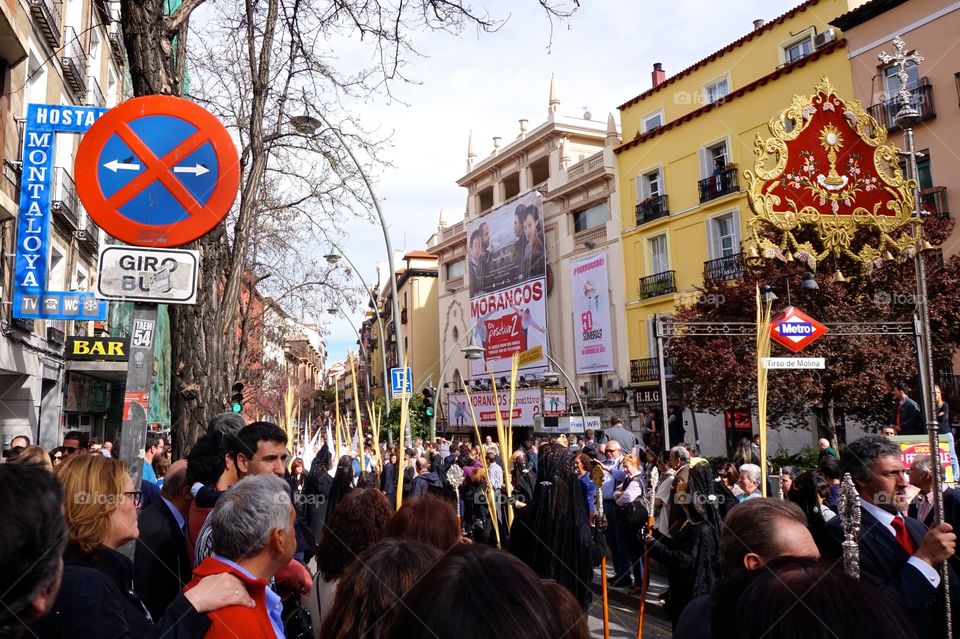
624 608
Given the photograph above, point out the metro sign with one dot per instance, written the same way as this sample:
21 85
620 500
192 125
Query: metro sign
795 330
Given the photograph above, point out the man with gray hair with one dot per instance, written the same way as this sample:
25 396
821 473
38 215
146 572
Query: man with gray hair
253 537
898 555
921 476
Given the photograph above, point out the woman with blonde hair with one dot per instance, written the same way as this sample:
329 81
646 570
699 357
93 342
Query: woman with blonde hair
96 597
34 455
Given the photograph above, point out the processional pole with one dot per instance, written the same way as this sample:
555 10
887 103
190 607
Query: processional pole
906 117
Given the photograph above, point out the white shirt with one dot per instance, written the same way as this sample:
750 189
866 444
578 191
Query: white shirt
633 491
886 518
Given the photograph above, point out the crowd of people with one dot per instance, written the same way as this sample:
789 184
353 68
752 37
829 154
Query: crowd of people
238 539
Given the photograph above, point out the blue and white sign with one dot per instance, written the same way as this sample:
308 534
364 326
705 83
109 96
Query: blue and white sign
401 382
31 299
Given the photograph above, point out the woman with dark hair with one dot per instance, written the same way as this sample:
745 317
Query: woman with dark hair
355 525
552 535
524 478
388 480
808 492
478 592
801 598
296 478
476 511
429 519
692 557
343 482
316 492
372 585
788 475
729 476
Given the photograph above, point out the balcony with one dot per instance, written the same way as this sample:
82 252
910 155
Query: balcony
56 335
22 324
934 201
723 269
89 237
64 198
659 284
11 180
116 41
48 14
724 182
922 96
73 59
94 94
648 369
651 209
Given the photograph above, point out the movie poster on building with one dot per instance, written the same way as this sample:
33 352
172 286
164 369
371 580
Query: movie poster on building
592 338
526 406
507 264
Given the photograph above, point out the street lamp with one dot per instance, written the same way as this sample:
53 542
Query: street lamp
310 124
333 258
809 284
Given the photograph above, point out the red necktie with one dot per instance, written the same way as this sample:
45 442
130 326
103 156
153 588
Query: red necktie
900 529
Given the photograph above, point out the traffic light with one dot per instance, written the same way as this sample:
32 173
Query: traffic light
236 399
428 394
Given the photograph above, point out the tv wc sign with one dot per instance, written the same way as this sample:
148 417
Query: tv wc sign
795 330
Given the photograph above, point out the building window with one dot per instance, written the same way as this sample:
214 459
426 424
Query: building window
724 235
716 90
485 199
798 49
651 122
891 81
589 218
924 176
540 171
657 247
714 158
511 186
456 270
649 185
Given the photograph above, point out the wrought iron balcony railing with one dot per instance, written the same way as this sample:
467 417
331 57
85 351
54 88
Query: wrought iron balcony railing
64 199
48 14
723 269
658 284
651 209
724 182
73 59
922 96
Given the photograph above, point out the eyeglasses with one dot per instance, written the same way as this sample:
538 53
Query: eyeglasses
612 450
136 496
69 450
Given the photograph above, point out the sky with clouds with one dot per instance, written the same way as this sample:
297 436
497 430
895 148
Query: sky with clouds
485 83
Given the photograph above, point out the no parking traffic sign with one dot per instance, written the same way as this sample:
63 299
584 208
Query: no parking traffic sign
157 171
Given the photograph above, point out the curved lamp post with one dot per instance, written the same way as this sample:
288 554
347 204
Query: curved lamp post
333 258
309 124
366 370
576 391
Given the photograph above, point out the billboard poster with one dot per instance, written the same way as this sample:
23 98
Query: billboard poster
507 264
592 337
554 402
526 406
912 446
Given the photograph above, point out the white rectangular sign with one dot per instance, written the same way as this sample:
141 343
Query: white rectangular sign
526 406
135 274
592 337
773 363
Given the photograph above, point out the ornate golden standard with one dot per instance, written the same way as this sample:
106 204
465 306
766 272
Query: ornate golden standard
829 168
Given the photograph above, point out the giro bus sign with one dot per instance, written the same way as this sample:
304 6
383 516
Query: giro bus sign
795 330
157 171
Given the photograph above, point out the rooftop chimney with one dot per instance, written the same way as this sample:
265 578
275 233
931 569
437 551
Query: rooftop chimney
658 75
757 23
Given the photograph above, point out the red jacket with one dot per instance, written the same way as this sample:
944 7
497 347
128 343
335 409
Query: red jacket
236 622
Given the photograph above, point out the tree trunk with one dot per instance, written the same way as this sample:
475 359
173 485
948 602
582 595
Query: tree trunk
150 49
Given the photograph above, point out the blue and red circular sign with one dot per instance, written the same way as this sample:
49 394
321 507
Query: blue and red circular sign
157 171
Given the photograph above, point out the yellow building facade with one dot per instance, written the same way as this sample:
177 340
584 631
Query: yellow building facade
687 142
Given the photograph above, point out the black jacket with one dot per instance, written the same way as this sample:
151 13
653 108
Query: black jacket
883 564
97 599
161 562
388 480
692 562
424 483
910 421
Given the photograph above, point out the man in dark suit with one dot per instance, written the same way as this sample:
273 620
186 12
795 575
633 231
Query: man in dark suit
907 419
921 508
897 555
161 562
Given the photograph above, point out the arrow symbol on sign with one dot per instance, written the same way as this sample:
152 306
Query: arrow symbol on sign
117 165
198 169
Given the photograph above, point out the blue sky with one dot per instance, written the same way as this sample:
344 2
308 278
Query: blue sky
602 57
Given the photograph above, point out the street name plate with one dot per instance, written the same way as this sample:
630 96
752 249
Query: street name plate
134 274
773 363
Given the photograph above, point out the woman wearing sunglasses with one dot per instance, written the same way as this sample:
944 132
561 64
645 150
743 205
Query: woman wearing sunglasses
96 597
